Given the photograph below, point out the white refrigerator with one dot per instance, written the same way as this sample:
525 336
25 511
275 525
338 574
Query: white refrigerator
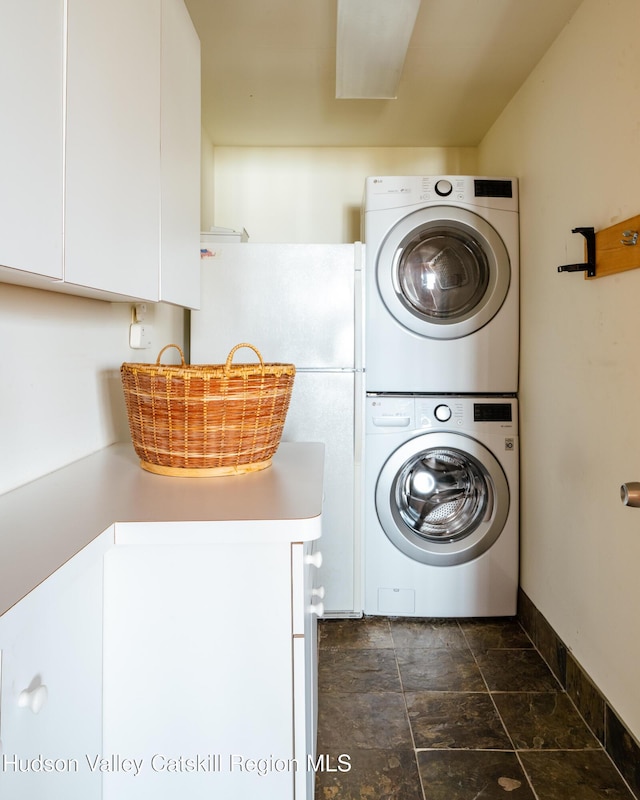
301 304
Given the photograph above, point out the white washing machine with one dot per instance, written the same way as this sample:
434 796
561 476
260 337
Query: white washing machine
441 284
441 506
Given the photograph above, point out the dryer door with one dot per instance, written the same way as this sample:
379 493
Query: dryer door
443 272
442 498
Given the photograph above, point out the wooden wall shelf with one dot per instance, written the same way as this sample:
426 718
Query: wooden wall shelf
609 251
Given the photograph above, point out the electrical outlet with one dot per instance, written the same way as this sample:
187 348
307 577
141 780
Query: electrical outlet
140 336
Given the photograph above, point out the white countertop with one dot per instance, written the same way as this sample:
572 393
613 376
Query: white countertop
46 522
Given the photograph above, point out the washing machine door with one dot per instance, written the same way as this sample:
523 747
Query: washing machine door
443 272
442 498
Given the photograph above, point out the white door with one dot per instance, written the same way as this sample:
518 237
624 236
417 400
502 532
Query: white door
31 137
198 676
180 157
112 220
294 302
322 409
51 700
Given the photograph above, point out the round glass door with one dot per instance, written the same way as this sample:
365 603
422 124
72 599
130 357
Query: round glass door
443 275
442 499
443 272
442 494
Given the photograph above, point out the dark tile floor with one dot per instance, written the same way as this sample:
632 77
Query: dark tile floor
449 710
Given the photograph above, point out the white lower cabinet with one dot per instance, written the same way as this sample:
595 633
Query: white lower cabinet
309 607
150 672
208 673
174 655
51 679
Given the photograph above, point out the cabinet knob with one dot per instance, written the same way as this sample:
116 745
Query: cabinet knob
318 592
317 609
33 698
315 559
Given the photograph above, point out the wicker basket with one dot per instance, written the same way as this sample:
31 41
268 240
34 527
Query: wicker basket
206 420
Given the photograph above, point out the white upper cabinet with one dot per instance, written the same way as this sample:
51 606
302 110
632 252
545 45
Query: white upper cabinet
112 231
180 157
31 135
117 148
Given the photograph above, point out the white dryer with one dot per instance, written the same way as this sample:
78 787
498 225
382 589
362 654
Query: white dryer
441 284
441 506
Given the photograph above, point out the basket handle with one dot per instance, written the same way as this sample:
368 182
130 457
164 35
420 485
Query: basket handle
166 347
227 365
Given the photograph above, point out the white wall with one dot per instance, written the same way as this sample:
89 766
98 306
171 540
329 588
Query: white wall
60 396
572 135
314 195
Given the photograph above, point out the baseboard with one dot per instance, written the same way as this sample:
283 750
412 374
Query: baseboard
620 744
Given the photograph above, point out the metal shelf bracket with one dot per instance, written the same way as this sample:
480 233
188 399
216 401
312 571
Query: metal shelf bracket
590 266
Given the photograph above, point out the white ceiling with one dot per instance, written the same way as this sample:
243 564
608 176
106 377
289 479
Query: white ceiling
268 72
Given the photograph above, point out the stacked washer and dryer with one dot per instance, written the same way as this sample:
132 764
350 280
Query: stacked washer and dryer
441 475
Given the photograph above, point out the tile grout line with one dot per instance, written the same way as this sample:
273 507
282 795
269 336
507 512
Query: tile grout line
502 722
406 711
601 745
485 643
563 690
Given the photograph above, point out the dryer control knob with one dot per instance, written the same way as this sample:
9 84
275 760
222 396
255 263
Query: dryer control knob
444 188
443 413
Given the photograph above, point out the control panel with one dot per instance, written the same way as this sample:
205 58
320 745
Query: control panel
386 413
384 192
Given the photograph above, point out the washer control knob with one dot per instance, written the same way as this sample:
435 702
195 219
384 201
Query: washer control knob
443 413
444 188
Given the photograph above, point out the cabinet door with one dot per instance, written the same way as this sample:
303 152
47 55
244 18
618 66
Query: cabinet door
31 136
112 220
180 157
51 697
198 671
307 606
